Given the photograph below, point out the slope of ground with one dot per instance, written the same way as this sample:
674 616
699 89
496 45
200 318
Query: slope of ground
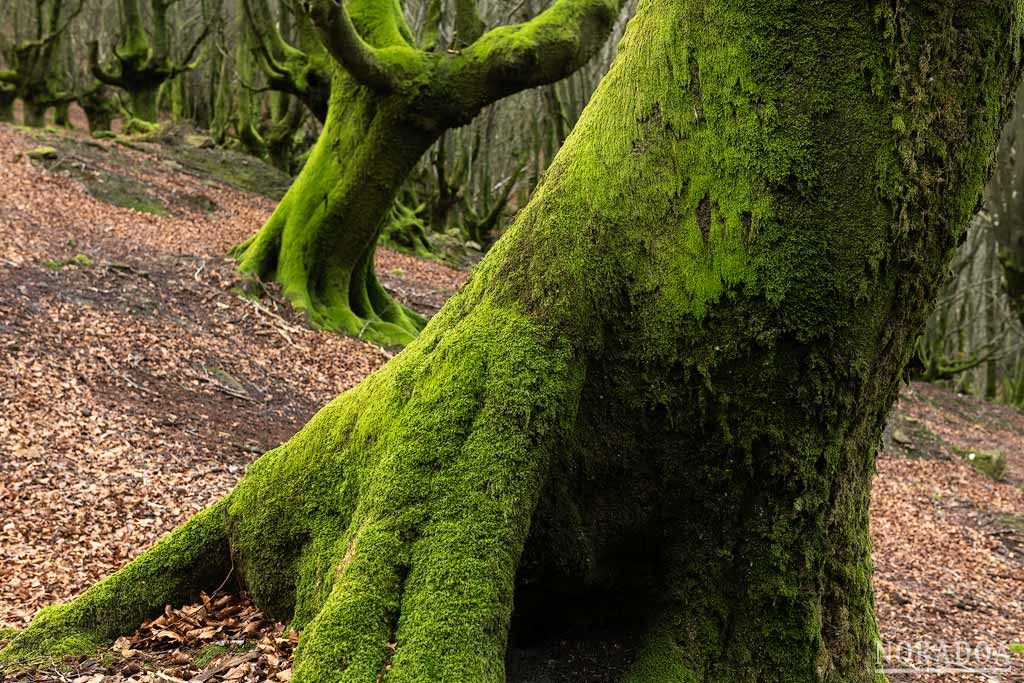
137 385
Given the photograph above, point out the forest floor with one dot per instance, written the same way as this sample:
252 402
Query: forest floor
138 383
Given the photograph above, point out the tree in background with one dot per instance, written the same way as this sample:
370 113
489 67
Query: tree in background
1006 203
142 61
33 72
668 380
303 70
390 101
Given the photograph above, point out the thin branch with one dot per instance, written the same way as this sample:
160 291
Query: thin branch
187 64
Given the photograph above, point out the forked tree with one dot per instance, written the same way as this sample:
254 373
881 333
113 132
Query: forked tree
33 73
143 60
668 380
389 102
303 70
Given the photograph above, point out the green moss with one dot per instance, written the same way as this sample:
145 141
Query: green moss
1016 648
319 242
208 654
990 463
80 260
44 152
192 559
235 169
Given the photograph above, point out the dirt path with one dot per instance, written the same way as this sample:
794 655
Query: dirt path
136 386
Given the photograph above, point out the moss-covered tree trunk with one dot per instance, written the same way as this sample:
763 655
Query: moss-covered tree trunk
141 63
34 114
319 243
33 73
7 99
99 106
389 102
667 381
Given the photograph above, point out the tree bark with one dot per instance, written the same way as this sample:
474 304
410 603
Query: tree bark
7 99
1006 202
34 114
667 381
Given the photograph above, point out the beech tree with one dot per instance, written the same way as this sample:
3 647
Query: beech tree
142 60
389 102
668 380
32 73
303 70
1006 203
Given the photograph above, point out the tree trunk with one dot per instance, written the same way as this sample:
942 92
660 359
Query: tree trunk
389 102
319 242
7 99
1006 202
34 115
143 102
666 382
62 115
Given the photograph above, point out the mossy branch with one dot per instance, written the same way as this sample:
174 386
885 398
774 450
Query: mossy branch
286 68
109 77
344 43
546 49
269 45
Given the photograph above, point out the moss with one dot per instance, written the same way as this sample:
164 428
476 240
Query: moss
208 654
192 559
44 152
80 260
234 169
990 463
319 242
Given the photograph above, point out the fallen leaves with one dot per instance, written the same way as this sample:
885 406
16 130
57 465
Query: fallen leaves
219 639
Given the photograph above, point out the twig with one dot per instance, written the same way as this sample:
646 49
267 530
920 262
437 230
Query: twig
129 380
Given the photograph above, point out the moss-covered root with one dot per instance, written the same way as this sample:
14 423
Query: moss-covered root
350 300
391 526
195 557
